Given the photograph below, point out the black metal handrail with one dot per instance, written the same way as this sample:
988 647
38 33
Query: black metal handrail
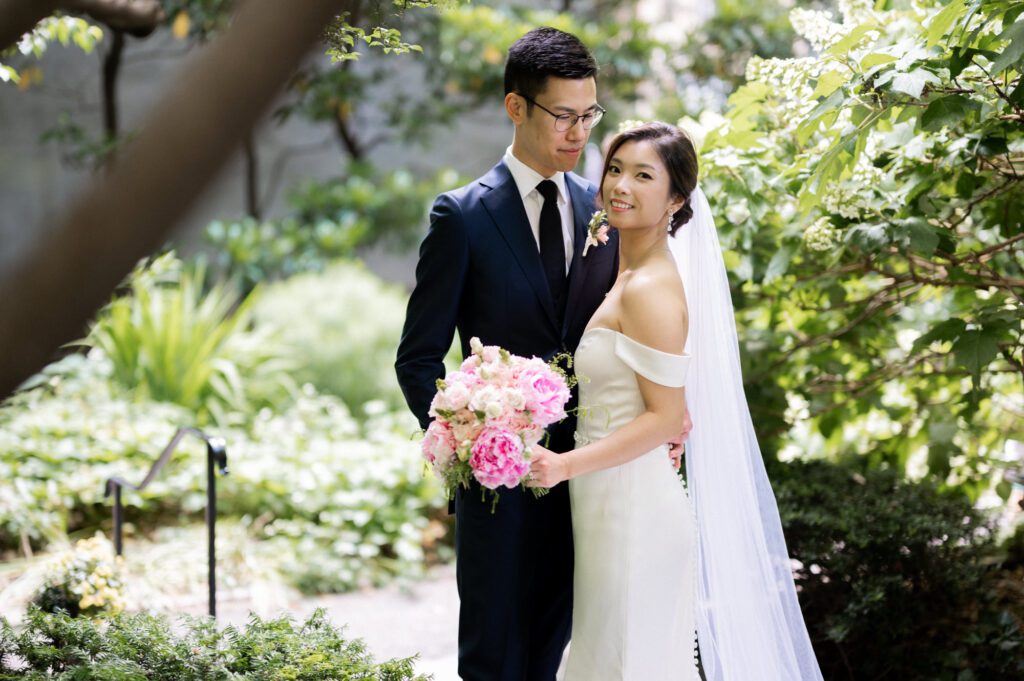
216 458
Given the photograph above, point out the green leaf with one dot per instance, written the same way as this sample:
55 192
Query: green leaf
913 83
992 146
1017 96
868 238
922 236
874 59
1013 53
1003 489
829 83
975 350
942 21
948 330
947 111
852 38
779 263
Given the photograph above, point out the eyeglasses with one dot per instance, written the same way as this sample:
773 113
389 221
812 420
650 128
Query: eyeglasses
567 121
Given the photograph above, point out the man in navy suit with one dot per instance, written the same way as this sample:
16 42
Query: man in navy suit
503 261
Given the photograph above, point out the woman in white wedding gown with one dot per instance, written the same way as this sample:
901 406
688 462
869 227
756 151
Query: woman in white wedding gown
653 569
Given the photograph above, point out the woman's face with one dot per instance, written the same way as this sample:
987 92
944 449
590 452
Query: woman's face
636 190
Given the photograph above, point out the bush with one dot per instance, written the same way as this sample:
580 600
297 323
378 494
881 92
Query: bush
345 325
147 647
898 580
170 340
346 500
85 581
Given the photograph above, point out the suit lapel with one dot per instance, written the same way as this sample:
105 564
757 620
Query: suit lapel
582 208
505 206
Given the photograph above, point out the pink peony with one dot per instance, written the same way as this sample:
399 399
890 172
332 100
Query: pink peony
497 458
438 446
546 394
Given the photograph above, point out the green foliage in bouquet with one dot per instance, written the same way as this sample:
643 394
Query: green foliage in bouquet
171 340
898 579
344 323
148 647
331 220
870 201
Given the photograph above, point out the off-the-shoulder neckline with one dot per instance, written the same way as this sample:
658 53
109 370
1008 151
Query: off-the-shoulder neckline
631 340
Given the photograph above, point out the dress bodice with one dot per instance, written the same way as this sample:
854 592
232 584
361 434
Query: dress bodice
607 364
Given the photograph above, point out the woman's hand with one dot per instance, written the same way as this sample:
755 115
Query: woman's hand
547 469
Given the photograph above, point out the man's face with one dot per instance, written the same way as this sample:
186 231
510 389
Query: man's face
537 143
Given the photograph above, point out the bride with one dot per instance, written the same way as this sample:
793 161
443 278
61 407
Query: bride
655 565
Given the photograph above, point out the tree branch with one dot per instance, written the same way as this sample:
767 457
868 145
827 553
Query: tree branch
48 297
138 17
21 16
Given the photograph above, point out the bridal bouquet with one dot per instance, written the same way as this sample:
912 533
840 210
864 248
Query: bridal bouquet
488 414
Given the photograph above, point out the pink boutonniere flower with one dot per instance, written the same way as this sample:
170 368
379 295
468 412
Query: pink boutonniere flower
597 231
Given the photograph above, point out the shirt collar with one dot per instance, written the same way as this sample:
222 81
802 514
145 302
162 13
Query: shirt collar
527 178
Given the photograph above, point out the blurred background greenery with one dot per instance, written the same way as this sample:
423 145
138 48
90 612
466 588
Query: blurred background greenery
865 161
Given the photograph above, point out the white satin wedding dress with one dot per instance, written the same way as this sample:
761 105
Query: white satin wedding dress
634 530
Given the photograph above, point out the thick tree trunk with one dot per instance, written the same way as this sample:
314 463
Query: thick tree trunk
48 298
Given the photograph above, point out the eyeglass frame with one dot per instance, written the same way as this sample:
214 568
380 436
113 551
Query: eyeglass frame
597 113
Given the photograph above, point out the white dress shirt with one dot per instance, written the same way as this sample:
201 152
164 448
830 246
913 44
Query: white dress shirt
527 179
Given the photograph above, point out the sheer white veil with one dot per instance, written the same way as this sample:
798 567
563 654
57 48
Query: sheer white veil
749 623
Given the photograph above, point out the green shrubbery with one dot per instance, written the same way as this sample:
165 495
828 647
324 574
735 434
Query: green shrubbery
899 580
347 497
144 646
344 324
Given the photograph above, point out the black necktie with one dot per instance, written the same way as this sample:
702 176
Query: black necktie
552 247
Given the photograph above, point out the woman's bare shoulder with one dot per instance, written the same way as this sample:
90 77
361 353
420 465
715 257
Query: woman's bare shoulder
653 307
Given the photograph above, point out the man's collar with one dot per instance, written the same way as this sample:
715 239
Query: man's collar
527 179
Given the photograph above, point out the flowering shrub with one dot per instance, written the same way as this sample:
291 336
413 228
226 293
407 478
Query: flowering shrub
870 203
84 581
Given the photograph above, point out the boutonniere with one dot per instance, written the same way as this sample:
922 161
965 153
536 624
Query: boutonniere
597 231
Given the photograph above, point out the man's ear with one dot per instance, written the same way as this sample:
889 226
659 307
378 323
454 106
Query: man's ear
515 107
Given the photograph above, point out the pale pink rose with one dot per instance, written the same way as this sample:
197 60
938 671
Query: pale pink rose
438 446
470 365
491 354
546 394
457 394
497 458
484 397
438 404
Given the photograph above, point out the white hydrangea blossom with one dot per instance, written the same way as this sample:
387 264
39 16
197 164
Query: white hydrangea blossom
817 28
855 11
821 236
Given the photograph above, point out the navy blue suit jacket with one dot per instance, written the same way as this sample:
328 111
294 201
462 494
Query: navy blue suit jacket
480 271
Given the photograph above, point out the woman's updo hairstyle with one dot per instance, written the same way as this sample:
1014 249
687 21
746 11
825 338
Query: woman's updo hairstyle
677 153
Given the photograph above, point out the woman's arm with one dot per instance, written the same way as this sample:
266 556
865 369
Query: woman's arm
651 314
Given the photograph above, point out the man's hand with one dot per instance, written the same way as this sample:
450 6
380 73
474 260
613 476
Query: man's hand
676 446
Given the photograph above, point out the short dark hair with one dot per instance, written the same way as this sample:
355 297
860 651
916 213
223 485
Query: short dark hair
542 53
677 153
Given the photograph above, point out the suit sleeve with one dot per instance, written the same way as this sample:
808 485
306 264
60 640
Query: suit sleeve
433 306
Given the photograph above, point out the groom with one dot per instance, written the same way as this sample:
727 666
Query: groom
502 260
